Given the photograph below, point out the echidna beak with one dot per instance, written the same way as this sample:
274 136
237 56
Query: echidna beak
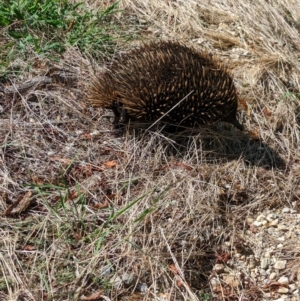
237 124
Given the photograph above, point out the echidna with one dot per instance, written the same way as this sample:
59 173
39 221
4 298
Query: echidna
167 82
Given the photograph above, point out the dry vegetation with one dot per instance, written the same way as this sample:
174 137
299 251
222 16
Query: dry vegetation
87 214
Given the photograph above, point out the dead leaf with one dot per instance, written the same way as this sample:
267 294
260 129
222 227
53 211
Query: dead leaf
273 286
101 205
179 283
73 195
187 167
78 236
267 112
72 23
92 297
110 164
29 248
87 136
173 269
20 205
254 134
231 280
222 257
37 180
244 105
60 159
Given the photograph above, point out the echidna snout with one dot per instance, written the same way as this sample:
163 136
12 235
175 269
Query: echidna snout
169 83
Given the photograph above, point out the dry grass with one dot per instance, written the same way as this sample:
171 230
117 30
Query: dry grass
147 208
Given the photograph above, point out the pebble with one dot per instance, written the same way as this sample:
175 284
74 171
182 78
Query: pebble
128 279
214 282
106 271
263 272
283 227
116 281
257 224
271 217
219 268
285 210
142 288
272 276
260 218
267 255
280 264
283 290
283 280
231 280
293 287
264 263
274 223
250 220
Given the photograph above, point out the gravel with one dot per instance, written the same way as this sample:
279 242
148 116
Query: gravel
273 264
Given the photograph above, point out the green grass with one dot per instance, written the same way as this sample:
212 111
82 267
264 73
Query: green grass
48 27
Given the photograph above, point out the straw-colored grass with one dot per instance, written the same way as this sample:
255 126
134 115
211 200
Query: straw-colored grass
109 214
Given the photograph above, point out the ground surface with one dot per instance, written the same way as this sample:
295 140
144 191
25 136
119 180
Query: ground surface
88 214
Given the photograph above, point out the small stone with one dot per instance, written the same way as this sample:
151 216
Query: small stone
128 279
267 255
271 217
281 238
116 281
252 263
231 280
227 269
257 224
95 133
283 227
285 210
142 288
214 282
219 268
280 264
283 280
288 235
274 223
263 272
279 246
264 263
250 220
260 218
272 276
106 271
293 287
283 290
234 56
